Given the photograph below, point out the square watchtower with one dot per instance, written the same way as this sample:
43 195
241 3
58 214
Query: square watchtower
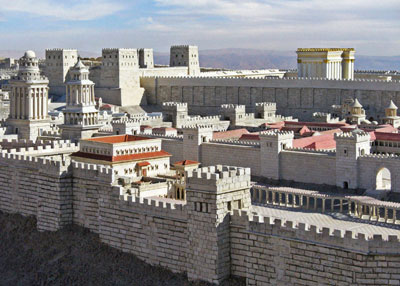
185 56
211 193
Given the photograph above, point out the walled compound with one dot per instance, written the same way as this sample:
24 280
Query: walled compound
215 233
174 187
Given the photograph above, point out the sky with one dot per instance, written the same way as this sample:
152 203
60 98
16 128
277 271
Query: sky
370 26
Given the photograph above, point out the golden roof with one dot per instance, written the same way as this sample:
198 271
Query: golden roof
325 49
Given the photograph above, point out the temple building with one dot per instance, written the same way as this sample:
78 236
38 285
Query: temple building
28 100
330 63
81 118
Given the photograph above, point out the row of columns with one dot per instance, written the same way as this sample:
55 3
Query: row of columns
29 103
80 94
85 119
352 207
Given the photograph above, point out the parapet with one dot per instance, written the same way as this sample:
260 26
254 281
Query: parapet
171 105
276 134
233 107
345 239
61 50
266 104
218 179
325 49
354 136
200 127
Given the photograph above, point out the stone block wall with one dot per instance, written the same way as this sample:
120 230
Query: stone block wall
299 98
269 252
34 186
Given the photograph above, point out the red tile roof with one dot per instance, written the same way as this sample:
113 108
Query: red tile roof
129 157
250 136
143 164
387 136
326 141
318 124
186 162
230 134
118 139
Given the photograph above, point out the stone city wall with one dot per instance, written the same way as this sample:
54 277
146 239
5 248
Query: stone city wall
261 249
299 98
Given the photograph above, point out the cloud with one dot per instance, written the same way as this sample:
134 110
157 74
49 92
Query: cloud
64 10
286 24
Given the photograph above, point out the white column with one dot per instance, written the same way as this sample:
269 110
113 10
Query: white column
76 94
30 105
40 108
12 102
17 102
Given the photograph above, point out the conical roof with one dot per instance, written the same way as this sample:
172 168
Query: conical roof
391 105
79 65
356 103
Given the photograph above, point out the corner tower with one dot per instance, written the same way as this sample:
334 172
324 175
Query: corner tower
211 194
272 143
193 137
349 147
185 56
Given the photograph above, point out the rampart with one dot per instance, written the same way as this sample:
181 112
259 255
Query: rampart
295 97
165 232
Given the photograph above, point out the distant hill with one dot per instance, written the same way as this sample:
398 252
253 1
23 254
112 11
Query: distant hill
259 59
248 59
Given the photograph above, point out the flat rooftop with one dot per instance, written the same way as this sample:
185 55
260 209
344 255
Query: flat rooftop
118 139
331 220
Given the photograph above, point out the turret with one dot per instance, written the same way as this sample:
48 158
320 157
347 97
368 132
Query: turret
233 112
211 194
177 112
193 137
273 142
391 115
349 147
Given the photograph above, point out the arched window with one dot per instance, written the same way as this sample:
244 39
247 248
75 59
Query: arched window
383 179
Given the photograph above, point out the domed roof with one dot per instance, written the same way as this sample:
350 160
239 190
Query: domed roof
356 103
30 54
391 105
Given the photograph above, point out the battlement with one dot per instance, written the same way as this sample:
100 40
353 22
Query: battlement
182 46
111 50
218 178
127 120
292 230
175 105
266 104
198 127
58 50
258 79
307 150
233 107
178 137
236 142
277 134
353 136
321 114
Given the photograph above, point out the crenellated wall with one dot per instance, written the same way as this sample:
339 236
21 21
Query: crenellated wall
299 98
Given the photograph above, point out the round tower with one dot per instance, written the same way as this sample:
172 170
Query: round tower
391 115
29 99
81 118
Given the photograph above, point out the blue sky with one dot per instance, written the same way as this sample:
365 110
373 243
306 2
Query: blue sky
371 26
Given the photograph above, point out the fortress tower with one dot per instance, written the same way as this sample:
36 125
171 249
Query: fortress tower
58 63
177 112
193 137
272 142
146 58
28 100
391 115
185 56
349 147
80 115
265 110
233 112
330 63
211 194
119 77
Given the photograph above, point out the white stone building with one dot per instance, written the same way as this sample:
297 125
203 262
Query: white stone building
28 100
330 63
81 118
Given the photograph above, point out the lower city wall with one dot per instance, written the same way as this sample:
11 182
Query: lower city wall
263 250
299 98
